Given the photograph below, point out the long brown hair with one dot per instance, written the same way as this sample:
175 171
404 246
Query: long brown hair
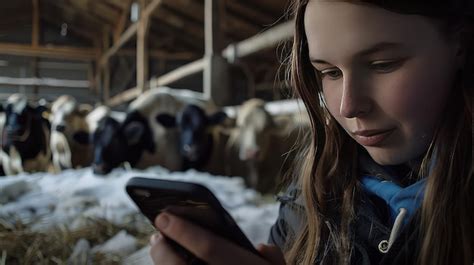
328 179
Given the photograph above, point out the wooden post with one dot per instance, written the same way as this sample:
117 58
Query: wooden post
90 77
215 75
98 79
35 36
106 69
142 48
35 32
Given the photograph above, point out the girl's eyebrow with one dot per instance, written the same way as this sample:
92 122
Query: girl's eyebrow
373 49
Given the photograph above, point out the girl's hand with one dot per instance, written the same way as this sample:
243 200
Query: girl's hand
205 245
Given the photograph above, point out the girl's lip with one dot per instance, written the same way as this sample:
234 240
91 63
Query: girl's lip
373 139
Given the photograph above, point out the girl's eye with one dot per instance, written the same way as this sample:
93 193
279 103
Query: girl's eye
332 74
386 66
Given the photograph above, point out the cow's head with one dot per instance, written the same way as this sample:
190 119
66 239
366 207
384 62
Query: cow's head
19 116
116 143
253 125
69 118
193 123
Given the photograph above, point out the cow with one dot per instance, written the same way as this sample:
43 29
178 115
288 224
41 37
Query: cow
138 140
202 141
25 137
70 145
265 143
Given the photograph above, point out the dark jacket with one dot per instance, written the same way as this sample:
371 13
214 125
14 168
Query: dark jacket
370 229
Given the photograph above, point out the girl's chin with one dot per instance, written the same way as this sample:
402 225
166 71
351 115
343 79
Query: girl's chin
386 157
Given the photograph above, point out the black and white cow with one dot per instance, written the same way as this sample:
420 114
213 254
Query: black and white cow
70 131
25 137
139 140
203 140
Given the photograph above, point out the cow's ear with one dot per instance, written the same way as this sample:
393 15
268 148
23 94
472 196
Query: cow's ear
134 132
41 109
167 120
217 118
82 137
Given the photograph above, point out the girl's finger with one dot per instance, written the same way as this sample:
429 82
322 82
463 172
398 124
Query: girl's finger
272 254
161 253
204 244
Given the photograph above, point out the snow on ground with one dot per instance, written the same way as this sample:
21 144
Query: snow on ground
44 200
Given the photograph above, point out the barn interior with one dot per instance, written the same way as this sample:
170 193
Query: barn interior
113 55
112 50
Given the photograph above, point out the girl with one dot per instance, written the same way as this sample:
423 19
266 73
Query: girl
387 176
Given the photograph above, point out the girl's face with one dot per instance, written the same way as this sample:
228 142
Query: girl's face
385 76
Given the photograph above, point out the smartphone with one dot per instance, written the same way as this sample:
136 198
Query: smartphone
191 201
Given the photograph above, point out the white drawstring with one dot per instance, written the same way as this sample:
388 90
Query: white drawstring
396 226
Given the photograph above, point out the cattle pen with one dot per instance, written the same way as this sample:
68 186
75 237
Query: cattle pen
95 92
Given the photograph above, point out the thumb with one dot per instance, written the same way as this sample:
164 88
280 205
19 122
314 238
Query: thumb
272 254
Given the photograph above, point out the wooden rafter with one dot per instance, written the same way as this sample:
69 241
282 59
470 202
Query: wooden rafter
232 23
76 24
122 21
269 38
50 82
193 43
73 53
75 15
130 32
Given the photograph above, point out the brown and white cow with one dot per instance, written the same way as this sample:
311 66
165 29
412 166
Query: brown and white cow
265 142
25 137
70 131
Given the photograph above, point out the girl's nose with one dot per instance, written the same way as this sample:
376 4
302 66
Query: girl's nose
354 100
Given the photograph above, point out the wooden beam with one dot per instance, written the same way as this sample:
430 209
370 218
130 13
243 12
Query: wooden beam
50 51
50 82
90 77
151 8
35 30
123 97
126 36
106 68
267 39
216 85
178 73
130 32
176 20
50 15
142 49
264 40
161 55
166 79
187 40
232 24
212 26
122 21
98 80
